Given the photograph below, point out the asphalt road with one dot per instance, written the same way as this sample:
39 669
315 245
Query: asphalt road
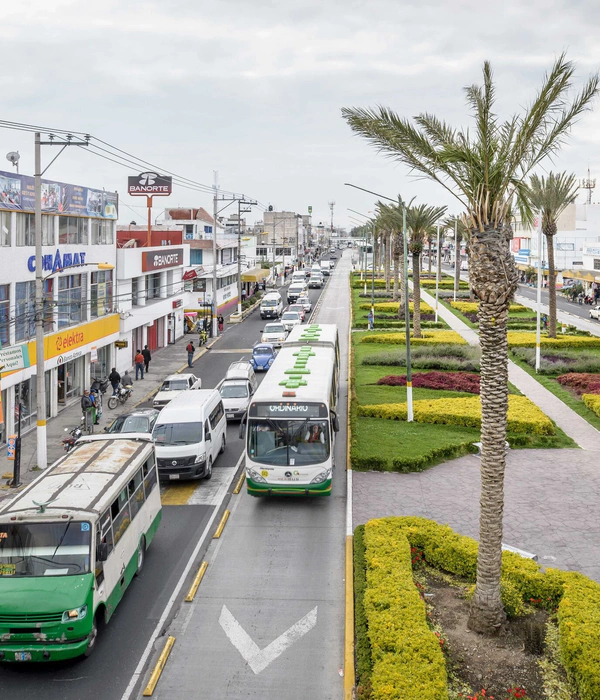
562 304
107 673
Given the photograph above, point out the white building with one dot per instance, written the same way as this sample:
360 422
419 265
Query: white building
81 326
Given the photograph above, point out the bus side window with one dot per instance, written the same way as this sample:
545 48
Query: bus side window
123 519
149 472
136 493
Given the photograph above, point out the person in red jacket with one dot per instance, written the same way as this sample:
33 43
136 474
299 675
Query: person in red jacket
139 365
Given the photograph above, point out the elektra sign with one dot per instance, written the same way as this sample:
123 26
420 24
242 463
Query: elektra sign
56 262
160 259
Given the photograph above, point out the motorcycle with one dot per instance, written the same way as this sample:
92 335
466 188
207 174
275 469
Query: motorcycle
123 393
74 435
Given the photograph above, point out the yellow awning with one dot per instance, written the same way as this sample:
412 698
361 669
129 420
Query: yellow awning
586 275
255 275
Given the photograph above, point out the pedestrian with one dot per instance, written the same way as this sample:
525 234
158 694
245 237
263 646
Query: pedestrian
371 319
147 357
139 365
190 351
87 406
243 294
114 378
220 321
545 321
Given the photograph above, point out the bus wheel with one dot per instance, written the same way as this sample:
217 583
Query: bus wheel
93 638
209 469
141 556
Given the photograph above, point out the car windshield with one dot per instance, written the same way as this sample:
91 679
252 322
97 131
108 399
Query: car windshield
131 424
269 302
234 391
283 443
45 549
174 385
263 351
290 316
297 308
177 433
274 328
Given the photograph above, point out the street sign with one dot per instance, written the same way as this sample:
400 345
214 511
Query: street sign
12 358
149 184
11 447
310 210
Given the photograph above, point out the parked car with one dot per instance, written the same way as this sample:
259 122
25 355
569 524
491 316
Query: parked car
289 319
274 333
298 308
174 385
595 313
306 302
141 420
263 355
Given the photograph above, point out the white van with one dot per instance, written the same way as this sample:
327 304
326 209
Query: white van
325 267
237 388
190 433
299 276
295 290
271 305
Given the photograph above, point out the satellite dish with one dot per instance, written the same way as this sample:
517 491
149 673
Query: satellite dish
13 157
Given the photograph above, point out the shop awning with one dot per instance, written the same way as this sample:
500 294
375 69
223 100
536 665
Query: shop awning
255 275
190 313
586 275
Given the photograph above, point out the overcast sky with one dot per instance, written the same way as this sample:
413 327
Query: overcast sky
253 89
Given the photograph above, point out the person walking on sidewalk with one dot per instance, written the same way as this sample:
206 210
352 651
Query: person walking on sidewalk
220 321
147 357
370 319
139 365
190 351
114 378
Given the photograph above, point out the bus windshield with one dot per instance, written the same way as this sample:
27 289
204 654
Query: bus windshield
45 549
283 443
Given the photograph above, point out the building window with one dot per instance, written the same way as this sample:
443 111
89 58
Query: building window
25 229
5 228
72 230
208 229
135 290
261 251
153 286
101 293
195 256
47 229
71 300
4 313
102 232
226 256
24 310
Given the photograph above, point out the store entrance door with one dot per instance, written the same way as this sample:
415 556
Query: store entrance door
153 336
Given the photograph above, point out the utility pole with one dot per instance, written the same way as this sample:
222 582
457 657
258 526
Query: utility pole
215 325
42 448
331 206
239 256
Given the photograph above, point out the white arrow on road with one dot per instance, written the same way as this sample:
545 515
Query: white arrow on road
256 658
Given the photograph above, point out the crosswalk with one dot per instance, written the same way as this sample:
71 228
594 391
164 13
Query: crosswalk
200 493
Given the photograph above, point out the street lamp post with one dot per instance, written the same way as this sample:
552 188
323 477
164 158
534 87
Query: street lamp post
437 274
538 340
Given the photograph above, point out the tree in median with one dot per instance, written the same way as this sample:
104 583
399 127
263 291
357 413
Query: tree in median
486 168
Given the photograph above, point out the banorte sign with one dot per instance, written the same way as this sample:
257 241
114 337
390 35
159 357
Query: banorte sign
161 259
149 184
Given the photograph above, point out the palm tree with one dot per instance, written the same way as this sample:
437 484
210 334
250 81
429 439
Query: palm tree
485 168
390 216
461 233
551 196
419 221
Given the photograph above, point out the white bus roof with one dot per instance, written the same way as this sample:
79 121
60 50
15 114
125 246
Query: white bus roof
315 378
86 479
313 334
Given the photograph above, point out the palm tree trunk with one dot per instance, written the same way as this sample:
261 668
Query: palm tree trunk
429 258
494 279
551 287
457 266
386 261
396 263
416 295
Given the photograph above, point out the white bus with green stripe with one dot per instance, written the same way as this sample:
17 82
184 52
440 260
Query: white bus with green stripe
292 419
71 543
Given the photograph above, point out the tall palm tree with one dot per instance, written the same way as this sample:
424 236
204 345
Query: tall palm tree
391 217
419 221
485 168
551 196
461 233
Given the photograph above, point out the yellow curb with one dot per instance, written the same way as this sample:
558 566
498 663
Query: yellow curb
158 669
238 486
197 580
7 475
219 530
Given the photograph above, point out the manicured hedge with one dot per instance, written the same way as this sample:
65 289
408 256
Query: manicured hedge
451 381
390 306
581 382
384 323
577 597
407 465
433 337
523 415
523 339
408 663
444 284
471 307
364 663
592 401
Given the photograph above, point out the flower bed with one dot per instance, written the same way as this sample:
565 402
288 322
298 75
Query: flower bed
577 598
471 307
392 306
432 337
561 362
592 401
450 381
581 383
524 417
524 339
444 284
447 357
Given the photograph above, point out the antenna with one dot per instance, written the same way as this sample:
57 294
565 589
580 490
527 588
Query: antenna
588 184
13 157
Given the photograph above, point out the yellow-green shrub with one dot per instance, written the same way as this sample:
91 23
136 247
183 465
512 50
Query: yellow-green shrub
592 401
526 339
577 597
472 307
429 337
408 663
523 415
392 306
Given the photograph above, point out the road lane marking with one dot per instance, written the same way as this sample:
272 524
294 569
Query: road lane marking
178 495
256 658
171 602
158 669
231 350
199 493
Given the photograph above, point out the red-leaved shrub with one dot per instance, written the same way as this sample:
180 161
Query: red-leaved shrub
581 383
450 381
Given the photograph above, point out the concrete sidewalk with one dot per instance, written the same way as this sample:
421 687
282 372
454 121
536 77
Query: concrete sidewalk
576 427
165 361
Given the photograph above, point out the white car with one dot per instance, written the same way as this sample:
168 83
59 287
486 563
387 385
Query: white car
306 302
274 333
289 319
174 385
595 313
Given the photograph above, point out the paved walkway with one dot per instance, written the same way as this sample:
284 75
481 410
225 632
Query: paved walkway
576 427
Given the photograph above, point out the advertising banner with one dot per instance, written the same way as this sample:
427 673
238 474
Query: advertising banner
17 192
159 259
15 357
149 184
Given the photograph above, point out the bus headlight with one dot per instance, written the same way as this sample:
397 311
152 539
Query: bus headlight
255 476
75 614
320 478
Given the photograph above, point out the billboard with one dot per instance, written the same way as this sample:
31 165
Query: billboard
149 183
17 192
160 259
